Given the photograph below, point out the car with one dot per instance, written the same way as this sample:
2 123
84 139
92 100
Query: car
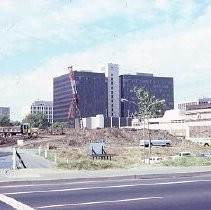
156 142
184 154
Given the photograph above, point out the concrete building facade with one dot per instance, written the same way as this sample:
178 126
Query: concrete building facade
45 107
113 91
193 124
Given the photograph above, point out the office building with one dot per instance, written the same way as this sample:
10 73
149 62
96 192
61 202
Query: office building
5 111
160 87
91 88
101 93
45 107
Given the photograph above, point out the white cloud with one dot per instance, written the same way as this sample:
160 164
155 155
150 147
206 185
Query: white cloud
162 4
180 50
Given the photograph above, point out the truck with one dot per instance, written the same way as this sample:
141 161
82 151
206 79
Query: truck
23 129
156 142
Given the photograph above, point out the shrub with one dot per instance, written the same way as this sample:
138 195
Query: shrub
187 161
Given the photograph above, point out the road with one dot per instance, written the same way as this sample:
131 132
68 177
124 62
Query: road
187 193
29 157
5 158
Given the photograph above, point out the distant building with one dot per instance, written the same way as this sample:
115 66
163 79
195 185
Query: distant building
45 107
160 87
201 102
183 106
192 124
91 88
5 111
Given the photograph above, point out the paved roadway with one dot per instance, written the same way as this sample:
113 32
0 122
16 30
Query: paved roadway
29 157
5 158
184 193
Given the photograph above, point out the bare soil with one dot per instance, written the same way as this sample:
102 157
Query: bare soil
122 142
111 136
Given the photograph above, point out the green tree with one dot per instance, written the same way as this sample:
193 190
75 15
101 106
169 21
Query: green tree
148 106
59 127
15 123
4 121
38 120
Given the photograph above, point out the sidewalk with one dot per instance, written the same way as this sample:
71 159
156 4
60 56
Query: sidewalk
28 176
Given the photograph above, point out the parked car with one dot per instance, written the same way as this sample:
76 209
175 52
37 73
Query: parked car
156 142
185 154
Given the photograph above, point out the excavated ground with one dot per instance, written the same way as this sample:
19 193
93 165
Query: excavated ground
73 143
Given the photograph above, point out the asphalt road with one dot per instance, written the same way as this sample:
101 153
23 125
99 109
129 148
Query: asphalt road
190 193
30 159
5 158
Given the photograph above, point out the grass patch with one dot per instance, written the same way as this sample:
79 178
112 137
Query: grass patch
187 161
88 164
126 157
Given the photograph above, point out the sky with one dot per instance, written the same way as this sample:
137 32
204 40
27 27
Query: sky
39 39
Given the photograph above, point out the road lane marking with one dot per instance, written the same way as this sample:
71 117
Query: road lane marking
98 202
81 182
66 183
104 187
15 204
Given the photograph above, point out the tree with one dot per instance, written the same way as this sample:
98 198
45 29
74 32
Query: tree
38 120
59 127
15 123
4 121
148 106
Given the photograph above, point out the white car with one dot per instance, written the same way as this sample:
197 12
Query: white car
156 142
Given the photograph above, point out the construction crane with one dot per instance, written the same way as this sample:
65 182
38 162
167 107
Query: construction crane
74 112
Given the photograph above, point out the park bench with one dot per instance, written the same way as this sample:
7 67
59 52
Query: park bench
97 151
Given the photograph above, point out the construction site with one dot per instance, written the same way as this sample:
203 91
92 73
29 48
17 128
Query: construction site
120 147
73 145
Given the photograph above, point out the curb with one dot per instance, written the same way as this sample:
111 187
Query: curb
108 178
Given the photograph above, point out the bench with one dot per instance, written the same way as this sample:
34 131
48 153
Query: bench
97 152
102 156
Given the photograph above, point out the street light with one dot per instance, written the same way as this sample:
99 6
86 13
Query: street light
144 113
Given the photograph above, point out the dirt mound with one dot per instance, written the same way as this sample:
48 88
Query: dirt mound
111 136
7 141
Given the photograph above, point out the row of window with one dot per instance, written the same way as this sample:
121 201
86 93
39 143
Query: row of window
45 112
41 108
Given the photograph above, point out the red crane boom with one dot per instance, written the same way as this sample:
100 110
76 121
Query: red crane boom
74 111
